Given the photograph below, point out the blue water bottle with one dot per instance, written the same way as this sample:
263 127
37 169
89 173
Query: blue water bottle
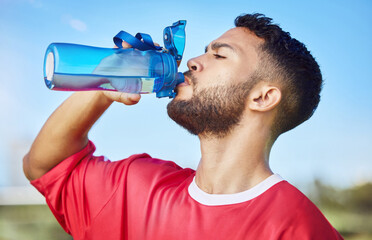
145 68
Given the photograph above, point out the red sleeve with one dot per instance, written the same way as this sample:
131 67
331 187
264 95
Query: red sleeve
78 188
305 221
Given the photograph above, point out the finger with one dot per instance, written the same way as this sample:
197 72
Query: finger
129 98
124 44
125 98
132 99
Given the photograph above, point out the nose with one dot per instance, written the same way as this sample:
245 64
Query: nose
195 65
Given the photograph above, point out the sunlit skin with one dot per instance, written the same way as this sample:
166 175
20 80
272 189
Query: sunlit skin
230 58
230 164
240 160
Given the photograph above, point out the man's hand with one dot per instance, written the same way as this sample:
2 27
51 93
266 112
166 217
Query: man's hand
66 130
126 98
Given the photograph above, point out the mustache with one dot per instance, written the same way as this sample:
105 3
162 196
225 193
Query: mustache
190 75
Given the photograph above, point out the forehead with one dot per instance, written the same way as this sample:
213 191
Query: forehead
241 38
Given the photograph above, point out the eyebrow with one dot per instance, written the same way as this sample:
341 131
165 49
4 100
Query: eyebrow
217 45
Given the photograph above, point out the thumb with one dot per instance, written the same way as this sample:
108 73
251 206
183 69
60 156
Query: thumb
122 97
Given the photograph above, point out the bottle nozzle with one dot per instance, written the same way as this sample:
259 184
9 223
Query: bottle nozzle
179 78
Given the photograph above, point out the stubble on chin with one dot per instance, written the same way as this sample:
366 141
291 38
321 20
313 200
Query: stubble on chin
211 112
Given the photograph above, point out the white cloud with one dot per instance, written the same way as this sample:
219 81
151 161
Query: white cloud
75 23
78 25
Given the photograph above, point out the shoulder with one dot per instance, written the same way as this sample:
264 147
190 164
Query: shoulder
297 216
144 165
291 201
284 191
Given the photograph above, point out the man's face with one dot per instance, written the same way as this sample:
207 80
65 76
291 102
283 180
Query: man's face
213 97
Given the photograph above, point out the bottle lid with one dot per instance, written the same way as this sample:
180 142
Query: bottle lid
174 39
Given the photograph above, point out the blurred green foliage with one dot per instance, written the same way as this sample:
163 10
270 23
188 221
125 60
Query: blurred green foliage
356 199
349 210
30 222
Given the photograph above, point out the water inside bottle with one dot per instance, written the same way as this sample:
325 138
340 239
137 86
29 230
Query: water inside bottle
129 84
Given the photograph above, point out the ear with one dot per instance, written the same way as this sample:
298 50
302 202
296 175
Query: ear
264 98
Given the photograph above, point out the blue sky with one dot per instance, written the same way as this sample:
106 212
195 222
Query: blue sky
333 146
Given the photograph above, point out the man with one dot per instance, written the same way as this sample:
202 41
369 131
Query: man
252 84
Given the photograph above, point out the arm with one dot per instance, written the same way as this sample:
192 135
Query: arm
66 130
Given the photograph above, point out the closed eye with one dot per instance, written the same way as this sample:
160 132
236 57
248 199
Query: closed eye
218 56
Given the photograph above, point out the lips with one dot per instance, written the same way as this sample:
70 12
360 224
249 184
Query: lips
187 81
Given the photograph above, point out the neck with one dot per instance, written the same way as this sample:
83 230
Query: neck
234 163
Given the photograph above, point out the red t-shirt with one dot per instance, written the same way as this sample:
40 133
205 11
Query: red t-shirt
145 198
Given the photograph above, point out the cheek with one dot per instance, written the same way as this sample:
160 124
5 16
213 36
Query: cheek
239 74
223 77
247 67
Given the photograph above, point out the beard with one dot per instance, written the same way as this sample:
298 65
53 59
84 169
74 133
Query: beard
211 112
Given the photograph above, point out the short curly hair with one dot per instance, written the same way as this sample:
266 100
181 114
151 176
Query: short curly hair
285 59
